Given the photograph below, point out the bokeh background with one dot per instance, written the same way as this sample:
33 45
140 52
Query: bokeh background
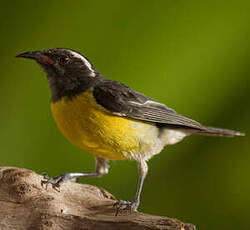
192 55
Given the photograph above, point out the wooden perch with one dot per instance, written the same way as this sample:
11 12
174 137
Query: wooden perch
26 205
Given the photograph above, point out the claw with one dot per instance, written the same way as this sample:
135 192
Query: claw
55 182
125 205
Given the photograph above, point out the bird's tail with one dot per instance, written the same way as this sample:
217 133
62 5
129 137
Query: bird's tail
211 131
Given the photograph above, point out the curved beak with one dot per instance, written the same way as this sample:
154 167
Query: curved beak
36 55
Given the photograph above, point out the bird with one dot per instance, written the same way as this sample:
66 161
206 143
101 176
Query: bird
108 119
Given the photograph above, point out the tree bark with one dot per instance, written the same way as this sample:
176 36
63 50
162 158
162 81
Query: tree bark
26 205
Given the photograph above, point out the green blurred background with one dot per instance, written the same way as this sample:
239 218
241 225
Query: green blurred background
192 55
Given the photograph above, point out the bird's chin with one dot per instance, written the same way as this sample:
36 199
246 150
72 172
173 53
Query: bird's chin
47 69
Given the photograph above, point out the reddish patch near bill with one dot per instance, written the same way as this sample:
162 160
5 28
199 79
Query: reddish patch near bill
48 60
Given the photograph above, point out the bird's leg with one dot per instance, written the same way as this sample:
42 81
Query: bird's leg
133 205
102 168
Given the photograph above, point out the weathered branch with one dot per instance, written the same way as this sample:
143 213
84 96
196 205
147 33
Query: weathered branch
25 204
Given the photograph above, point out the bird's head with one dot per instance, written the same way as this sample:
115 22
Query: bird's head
68 71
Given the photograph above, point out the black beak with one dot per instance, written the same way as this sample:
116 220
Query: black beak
36 55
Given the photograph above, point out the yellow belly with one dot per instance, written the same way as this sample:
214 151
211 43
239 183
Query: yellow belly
90 127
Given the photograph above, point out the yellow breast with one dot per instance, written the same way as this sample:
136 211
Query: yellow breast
92 128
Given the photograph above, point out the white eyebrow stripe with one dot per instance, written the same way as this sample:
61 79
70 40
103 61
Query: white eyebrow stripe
86 62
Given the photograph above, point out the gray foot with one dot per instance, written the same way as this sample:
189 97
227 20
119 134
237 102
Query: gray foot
125 205
55 181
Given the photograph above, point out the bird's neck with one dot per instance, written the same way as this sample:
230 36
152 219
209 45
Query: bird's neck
70 87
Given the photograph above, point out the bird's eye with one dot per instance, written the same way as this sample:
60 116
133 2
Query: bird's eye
63 60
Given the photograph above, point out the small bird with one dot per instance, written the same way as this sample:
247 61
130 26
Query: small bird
109 119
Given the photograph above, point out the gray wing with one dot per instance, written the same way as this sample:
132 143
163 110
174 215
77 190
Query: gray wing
123 101
150 111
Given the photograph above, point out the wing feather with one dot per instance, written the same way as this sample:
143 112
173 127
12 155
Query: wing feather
123 101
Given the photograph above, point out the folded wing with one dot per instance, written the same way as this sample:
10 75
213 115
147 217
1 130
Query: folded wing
123 101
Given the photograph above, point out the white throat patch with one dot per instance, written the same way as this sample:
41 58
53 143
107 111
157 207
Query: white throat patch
86 62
